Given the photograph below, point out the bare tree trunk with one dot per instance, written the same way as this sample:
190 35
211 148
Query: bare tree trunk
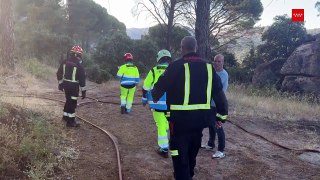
173 4
6 34
165 15
202 27
71 17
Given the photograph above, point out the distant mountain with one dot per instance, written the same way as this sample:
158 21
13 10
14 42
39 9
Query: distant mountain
313 31
136 33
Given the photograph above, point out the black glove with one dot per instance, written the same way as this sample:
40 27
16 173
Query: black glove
84 94
60 87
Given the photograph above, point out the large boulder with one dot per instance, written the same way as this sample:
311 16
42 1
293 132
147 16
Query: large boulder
301 71
301 84
268 73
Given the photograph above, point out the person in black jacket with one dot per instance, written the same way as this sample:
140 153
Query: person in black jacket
190 83
71 75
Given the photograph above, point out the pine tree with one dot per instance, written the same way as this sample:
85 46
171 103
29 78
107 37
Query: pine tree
6 34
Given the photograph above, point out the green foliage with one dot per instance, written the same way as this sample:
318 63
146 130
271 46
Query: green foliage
244 73
41 30
250 10
282 38
4 112
250 62
109 56
7 141
317 5
89 22
157 35
47 29
145 52
27 143
37 68
94 71
239 75
35 148
269 91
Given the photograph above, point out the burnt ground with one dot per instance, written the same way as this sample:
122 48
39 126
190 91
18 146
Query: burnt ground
247 156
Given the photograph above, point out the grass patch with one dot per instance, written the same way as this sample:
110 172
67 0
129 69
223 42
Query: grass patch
38 69
31 146
272 104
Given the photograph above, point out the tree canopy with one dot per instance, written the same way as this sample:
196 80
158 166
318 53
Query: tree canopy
228 19
156 34
281 38
317 5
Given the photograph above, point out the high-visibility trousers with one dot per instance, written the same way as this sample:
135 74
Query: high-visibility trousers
163 127
126 97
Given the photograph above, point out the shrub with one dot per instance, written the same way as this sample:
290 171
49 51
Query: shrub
30 145
37 69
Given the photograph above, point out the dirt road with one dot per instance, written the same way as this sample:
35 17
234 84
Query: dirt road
248 157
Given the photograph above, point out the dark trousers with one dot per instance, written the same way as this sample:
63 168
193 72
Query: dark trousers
213 130
72 95
186 145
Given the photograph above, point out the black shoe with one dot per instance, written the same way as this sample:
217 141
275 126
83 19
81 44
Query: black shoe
64 118
72 123
163 152
123 110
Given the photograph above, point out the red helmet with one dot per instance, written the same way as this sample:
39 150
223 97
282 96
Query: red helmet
77 50
127 56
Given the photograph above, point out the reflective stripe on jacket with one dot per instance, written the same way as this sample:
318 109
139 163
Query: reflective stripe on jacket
190 83
72 71
186 105
148 84
128 74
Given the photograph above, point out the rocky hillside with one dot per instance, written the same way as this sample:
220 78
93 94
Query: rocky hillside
240 49
253 37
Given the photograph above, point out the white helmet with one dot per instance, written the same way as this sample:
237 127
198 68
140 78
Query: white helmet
163 53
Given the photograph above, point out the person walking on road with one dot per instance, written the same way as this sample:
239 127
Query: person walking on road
128 74
71 76
189 83
159 109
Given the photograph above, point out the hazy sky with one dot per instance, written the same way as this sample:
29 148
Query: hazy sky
122 9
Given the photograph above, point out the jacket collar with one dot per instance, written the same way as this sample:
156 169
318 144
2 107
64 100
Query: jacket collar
192 57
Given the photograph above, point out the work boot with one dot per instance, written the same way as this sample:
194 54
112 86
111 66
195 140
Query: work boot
163 152
123 110
64 118
72 123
